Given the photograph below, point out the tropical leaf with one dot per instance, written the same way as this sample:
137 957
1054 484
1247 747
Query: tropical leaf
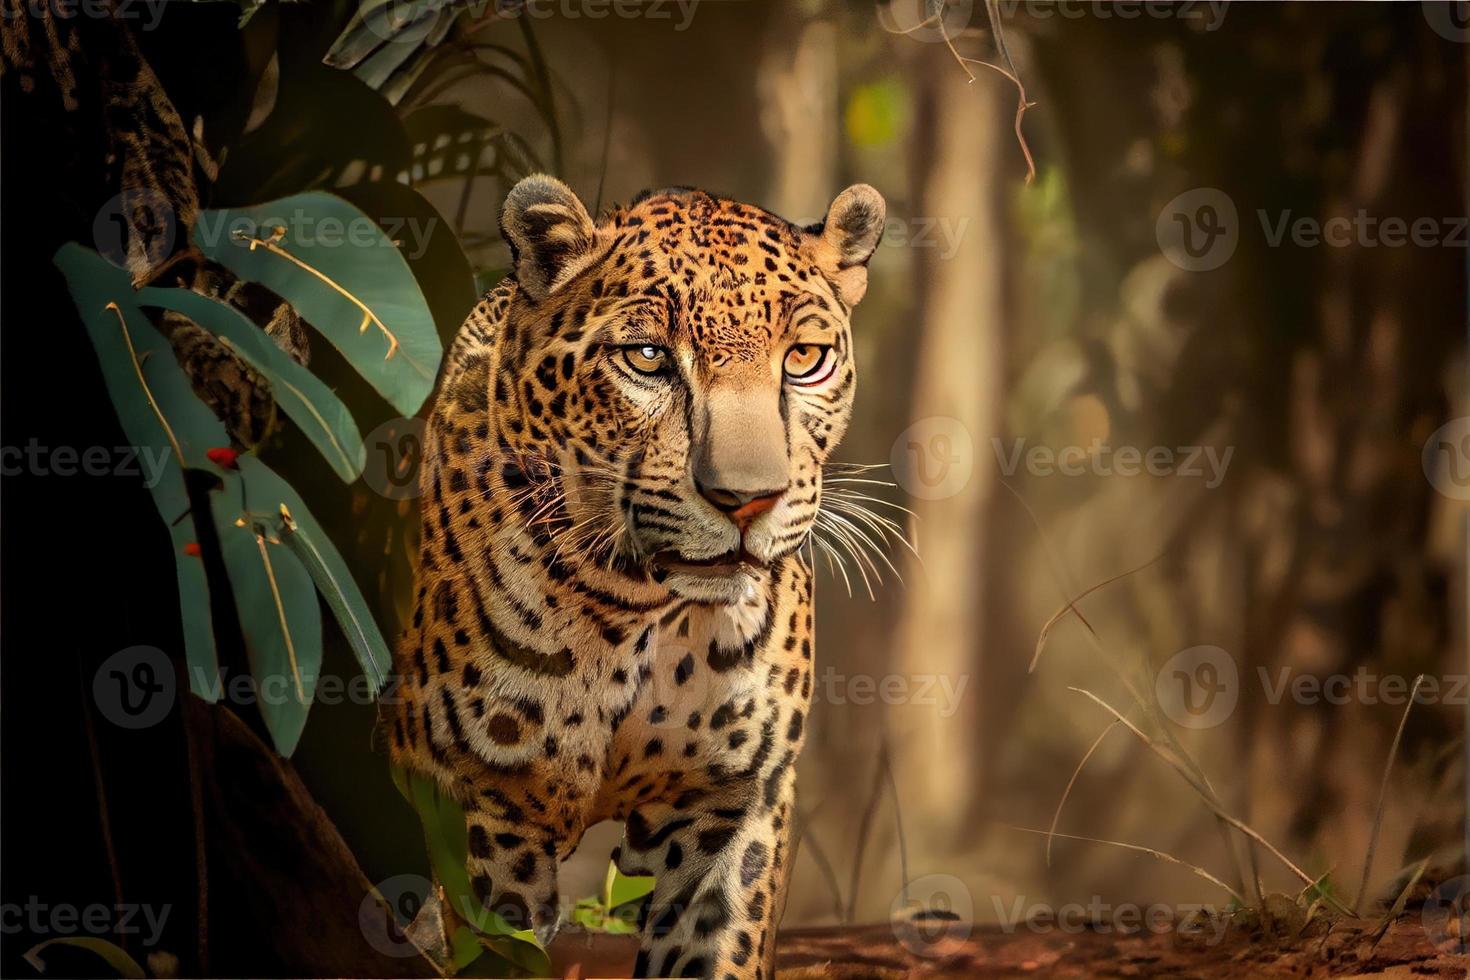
160 415
301 395
337 268
200 655
115 956
429 28
379 24
276 600
435 258
283 511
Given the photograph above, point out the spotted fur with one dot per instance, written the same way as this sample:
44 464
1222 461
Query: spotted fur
573 657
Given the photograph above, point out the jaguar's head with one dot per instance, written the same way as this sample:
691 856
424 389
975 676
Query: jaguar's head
687 362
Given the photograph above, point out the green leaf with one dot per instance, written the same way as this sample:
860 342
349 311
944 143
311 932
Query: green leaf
301 395
116 958
160 416
199 650
447 840
294 525
379 23
276 600
337 268
434 254
620 889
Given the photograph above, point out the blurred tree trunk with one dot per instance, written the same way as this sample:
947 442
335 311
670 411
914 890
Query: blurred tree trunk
798 89
956 398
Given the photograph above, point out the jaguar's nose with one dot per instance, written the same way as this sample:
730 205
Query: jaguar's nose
741 506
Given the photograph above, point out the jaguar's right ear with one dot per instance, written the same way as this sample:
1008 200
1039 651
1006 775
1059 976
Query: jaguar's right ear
551 236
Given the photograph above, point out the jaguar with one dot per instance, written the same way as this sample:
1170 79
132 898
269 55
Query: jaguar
613 615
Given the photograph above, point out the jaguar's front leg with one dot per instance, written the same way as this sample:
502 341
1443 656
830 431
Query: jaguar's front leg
721 863
514 852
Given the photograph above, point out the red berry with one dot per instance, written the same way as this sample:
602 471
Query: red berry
223 456
192 549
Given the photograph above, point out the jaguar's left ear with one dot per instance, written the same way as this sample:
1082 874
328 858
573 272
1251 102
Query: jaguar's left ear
551 235
845 241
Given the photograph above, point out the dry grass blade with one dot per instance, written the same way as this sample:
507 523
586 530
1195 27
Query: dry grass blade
1397 908
1207 794
903 844
1393 751
1057 815
805 840
1161 855
865 826
1071 606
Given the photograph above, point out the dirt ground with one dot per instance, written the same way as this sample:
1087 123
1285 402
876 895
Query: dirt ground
883 952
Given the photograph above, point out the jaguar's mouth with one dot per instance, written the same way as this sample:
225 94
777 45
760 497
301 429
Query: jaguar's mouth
718 566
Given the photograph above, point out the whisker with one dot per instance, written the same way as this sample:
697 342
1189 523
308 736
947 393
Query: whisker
846 479
854 467
871 546
863 562
876 521
831 553
854 495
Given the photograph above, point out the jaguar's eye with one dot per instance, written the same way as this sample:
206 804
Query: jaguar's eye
808 364
646 359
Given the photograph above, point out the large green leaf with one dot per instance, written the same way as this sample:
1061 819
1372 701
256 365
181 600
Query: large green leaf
200 656
160 415
447 839
300 394
276 601
436 258
337 268
287 515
